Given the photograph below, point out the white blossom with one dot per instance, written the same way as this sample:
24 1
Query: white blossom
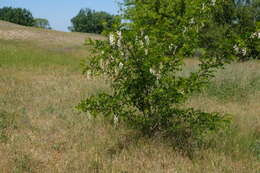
213 2
175 49
236 48
156 73
192 21
203 6
185 29
115 119
147 40
239 50
111 39
119 34
141 43
146 51
119 40
152 71
142 33
243 51
256 35
171 46
121 65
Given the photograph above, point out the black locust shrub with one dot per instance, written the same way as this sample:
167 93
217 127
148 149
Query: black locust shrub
142 60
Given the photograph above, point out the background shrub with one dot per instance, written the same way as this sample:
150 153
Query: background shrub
42 23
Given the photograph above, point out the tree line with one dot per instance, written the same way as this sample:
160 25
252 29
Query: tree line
241 16
23 17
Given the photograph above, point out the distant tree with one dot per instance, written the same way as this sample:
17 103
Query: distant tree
90 21
17 15
247 19
42 23
252 5
240 16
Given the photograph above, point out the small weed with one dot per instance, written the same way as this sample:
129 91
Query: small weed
58 147
25 163
7 121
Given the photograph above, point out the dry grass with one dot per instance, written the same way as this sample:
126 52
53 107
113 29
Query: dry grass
49 135
10 31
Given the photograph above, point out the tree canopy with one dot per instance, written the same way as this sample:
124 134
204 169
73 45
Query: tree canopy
90 21
19 16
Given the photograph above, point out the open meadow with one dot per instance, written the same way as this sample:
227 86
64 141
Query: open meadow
41 131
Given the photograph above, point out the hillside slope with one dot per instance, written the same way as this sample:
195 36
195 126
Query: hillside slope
10 31
41 131
22 46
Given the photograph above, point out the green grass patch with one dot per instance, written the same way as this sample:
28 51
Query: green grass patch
7 122
236 82
22 54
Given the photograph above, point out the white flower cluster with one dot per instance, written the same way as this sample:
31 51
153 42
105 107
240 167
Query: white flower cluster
243 51
239 50
256 35
192 21
115 39
143 41
173 48
213 2
119 39
116 119
121 65
203 6
147 40
155 73
112 39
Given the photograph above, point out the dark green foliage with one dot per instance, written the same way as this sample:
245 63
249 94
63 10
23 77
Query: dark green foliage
247 15
236 18
90 21
17 15
42 23
252 7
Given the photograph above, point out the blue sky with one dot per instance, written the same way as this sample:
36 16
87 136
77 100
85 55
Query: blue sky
59 12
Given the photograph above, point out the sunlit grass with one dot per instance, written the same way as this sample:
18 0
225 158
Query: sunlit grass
24 54
40 86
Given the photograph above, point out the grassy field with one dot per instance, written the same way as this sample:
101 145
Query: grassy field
41 131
